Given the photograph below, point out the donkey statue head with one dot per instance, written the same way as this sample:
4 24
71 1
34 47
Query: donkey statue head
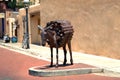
47 36
43 35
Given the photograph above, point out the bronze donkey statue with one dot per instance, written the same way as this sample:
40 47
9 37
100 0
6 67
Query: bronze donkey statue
58 34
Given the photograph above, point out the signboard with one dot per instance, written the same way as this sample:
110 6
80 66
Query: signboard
2 15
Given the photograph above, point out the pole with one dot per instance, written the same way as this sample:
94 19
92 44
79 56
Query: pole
27 29
26 35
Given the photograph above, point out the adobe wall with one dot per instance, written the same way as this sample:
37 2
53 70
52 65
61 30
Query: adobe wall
7 27
33 15
96 23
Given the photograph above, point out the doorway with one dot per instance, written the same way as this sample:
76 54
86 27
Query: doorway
1 27
35 33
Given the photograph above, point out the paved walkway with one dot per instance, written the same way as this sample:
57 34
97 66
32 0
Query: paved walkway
108 64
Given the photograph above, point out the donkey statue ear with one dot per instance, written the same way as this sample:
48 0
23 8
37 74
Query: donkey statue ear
40 27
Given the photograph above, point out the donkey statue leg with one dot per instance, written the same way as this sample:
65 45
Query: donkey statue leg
51 48
56 56
69 46
65 52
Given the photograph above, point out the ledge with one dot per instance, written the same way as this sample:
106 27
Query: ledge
36 71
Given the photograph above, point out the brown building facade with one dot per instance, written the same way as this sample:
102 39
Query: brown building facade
34 21
96 23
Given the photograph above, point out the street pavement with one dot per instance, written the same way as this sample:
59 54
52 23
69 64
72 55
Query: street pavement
109 65
14 66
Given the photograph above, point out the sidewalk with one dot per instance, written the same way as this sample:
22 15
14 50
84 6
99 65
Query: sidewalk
108 64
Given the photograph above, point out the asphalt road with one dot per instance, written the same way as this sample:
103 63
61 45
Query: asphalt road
14 66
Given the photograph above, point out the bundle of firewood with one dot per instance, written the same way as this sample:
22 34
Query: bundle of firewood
63 30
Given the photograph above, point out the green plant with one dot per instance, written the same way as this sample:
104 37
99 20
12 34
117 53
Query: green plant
12 4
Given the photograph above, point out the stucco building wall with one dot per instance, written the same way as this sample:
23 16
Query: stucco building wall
96 23
33 18
9 23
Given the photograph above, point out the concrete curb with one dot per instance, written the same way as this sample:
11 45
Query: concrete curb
19 49
30 53
111 71
47 73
